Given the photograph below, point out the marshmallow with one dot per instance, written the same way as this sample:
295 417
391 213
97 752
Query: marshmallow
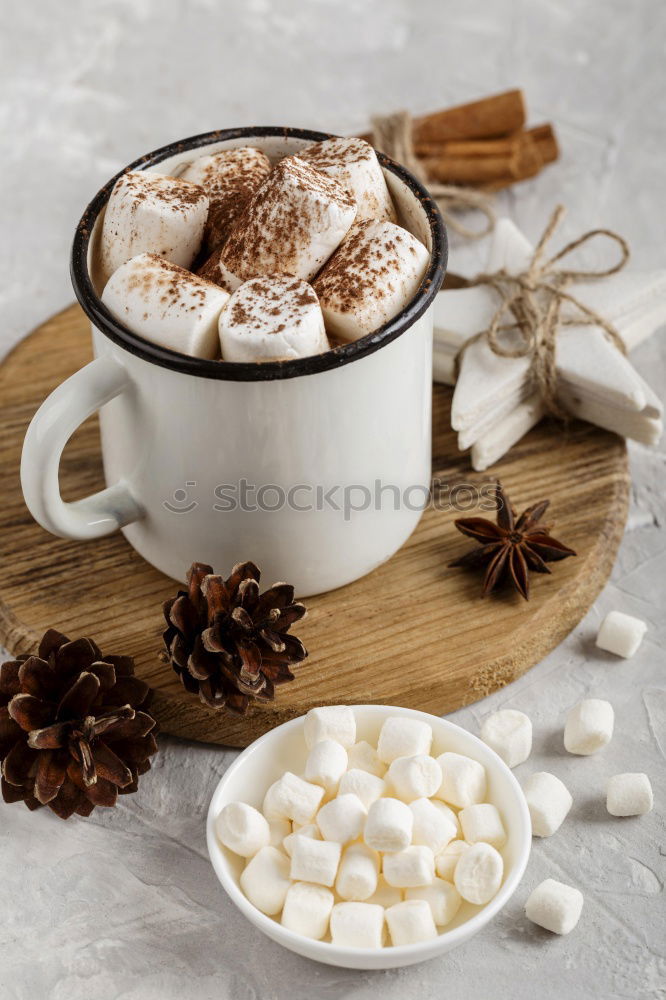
385 895
410 922
291 225
548 801
509 734
342 819
309 830
482 822
374 274
414 777
555 906
358 872
229 178
290 797
326 764
478 874
265 880
307 909
357 925
621 634
272 318
354 163
434 824
415 866
403 737
150 212
363 757
446 860
332 722
629 795
443 899
167 305
389 825
589 726
242 829
314 860
278 830
368 787
463 780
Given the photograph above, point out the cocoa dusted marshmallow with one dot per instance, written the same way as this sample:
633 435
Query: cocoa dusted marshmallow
354 163
149 212
167 305
372 276
272 318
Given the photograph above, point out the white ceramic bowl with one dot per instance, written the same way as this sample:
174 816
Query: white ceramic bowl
284 749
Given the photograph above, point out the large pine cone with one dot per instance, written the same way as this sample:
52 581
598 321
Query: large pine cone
227 641
74 729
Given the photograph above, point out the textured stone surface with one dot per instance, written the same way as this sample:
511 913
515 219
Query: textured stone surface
125 905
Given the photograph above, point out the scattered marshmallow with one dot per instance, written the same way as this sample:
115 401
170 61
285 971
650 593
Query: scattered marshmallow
242 829
435 825
414 777
401 736
478 874
368 787
589 726
410 922
358 873
332 722
354 163
463 780
342 819
314 860
482 822
290 797
509 733
443 899
415 866
548 801
278 830
265 880
309 830
357 925
446 860
326 764
363 757
555 906
629 795
621 634
385 895
307 909
389 825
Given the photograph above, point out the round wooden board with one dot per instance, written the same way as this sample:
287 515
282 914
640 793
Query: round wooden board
412 633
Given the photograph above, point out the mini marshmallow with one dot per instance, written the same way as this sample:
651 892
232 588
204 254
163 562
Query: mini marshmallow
384 265
358 872
385 895
354 163
307 909
482 822
463 780
242 829
403 737
326 764
368 787
443 899
434 824
410 922
148 212
446 860
167 305
589 726
278 830
389 825
272 318
363 757
629 795
509 734
314 860
548 801
357 925
290 797
414 777
621 634
415 866
555 906
265 880
342 819
478 874
309 830
331 722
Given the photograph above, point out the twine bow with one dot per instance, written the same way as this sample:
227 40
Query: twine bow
535 298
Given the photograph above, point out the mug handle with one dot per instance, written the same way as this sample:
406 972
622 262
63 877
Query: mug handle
49 431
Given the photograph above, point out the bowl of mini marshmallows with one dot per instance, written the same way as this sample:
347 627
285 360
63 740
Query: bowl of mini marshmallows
369 837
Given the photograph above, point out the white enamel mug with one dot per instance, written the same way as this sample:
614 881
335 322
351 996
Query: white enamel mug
317 469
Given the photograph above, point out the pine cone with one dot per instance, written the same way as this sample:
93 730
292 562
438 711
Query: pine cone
229 643
74 729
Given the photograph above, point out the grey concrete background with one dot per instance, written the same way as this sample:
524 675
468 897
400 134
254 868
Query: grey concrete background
125 905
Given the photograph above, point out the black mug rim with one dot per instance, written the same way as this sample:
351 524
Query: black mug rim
107 324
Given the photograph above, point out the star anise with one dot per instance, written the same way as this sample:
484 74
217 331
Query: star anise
512 547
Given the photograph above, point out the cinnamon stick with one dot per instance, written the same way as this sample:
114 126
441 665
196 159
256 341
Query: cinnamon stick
516 160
